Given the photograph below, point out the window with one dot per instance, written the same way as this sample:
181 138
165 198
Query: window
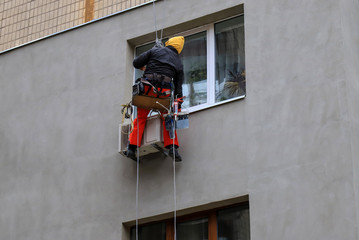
231 223
194 59
156 231
214 63
230 70
194 229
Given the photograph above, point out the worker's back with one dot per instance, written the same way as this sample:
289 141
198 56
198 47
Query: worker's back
163 60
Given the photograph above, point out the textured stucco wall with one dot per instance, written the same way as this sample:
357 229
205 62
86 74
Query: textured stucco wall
299 132
349 25
292 144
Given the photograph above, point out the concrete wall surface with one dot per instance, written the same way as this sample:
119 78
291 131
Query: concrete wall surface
291 145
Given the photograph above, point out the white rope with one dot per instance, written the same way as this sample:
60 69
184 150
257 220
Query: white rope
174 185
154 14
172 109
138 175
158 41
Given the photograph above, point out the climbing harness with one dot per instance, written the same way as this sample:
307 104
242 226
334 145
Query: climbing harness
151 84
147 92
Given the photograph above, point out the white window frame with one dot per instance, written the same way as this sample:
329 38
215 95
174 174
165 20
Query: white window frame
211 71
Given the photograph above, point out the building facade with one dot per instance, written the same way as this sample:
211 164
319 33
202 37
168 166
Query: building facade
276 160
23 21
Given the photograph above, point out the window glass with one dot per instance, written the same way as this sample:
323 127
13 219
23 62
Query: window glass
139 50
233 223
194 59
229 59
155 231
229 224
193 230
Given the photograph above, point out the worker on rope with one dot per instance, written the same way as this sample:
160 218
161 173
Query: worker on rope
161 66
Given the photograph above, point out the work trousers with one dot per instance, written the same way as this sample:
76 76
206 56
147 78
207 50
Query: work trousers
141 119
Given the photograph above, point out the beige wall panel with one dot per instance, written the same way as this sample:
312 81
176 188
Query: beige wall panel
42 18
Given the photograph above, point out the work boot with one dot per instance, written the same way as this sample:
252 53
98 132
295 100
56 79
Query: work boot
178 157
131 152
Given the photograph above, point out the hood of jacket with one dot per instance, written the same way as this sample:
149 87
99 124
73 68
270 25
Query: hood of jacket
176 42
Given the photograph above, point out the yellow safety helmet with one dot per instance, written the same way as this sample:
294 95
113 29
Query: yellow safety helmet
176 42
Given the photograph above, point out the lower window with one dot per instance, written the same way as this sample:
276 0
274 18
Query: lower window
230 223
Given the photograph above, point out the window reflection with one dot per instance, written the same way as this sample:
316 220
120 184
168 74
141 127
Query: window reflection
155 231
193 230
230 68
233 223
194 58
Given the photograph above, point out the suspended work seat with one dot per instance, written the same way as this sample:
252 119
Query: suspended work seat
151 103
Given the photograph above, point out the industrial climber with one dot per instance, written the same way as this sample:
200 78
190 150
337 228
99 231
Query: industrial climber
161 66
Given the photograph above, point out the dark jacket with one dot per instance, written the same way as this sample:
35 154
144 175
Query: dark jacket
163 60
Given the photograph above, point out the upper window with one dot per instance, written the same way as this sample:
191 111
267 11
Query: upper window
214 63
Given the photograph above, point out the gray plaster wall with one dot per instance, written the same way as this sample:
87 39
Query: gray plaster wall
291 144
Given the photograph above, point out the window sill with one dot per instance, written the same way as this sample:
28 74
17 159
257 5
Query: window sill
206 106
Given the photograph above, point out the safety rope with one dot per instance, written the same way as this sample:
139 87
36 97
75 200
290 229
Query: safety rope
138 151
158 41
154 15
138 175
174 185
172 109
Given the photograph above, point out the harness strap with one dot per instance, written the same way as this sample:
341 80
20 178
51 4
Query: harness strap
158 92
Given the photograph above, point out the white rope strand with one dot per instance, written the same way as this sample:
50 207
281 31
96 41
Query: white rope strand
138 176
174 184
158 41
154 15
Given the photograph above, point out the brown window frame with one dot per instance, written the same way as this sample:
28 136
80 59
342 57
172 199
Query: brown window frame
211 215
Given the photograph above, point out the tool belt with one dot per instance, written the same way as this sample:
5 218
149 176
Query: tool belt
159 80
148 91
157 83
158 77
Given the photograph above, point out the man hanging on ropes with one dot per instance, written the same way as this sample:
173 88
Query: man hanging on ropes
161 65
